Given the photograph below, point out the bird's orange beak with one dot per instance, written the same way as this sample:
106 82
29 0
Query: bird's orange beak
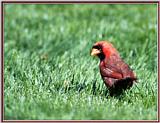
95 52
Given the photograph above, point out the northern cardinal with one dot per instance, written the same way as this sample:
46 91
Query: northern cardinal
116 74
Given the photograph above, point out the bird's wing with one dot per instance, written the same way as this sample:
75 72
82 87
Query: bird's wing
116 68
107 72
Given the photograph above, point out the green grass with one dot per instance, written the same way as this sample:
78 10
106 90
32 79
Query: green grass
48 70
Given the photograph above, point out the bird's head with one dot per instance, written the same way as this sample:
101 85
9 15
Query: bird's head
103 49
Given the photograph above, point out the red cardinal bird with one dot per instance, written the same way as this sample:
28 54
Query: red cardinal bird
116 74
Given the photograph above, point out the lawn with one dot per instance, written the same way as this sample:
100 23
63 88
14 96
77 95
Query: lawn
50 75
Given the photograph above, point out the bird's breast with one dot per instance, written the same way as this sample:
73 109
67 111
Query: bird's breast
102 64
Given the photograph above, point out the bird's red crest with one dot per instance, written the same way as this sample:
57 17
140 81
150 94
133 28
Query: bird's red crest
107 48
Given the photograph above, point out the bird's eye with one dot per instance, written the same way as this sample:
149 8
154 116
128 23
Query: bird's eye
96 47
